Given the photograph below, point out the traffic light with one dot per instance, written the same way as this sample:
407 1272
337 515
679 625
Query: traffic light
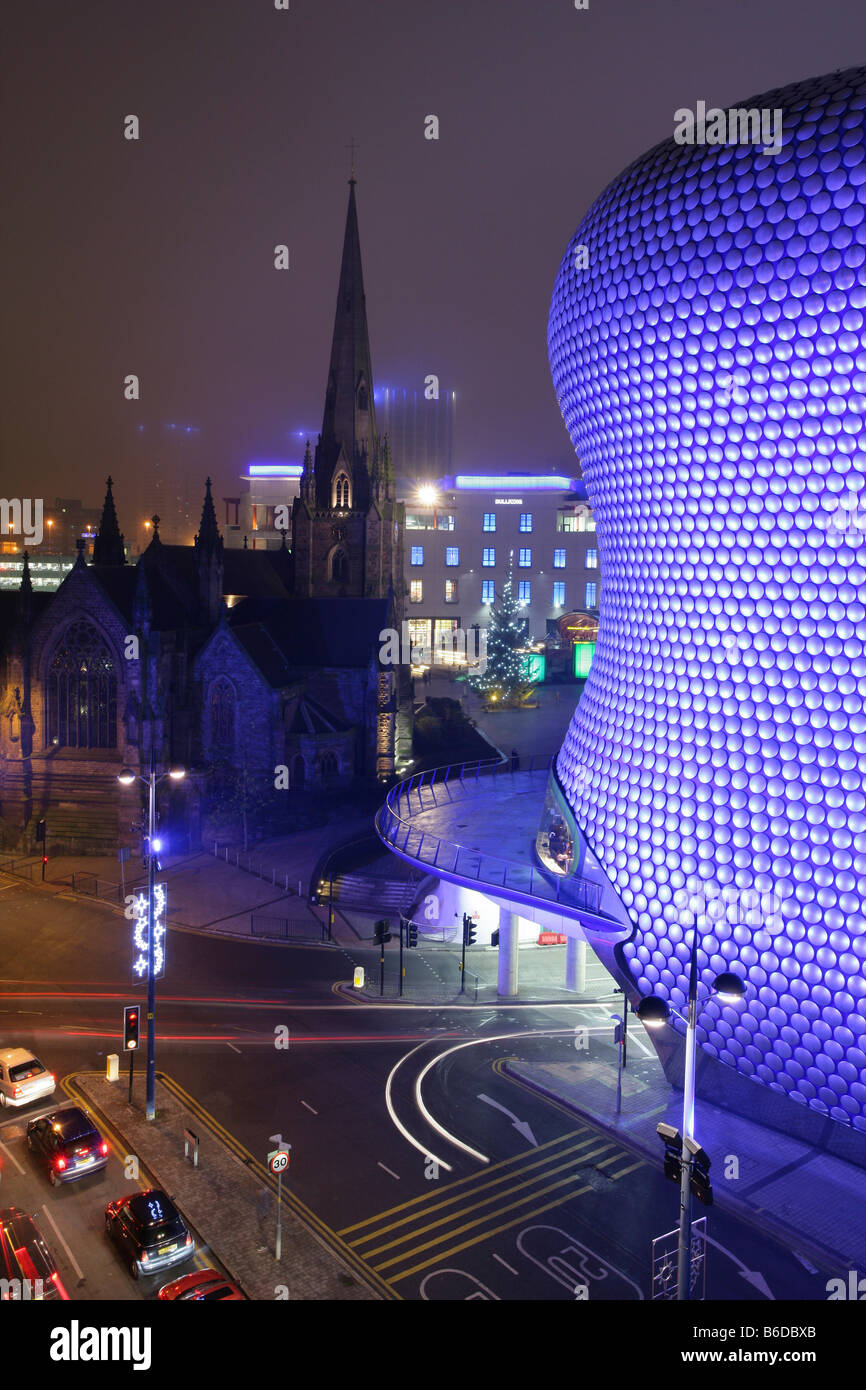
40 832
382 932
469 930
700 1182
411 934
130 1027
673 1142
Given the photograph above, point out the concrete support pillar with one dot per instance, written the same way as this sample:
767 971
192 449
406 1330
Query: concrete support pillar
509 932
575 964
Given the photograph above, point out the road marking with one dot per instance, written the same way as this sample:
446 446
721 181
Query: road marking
507 1266
479 1220
478 1179
427 1153
233 1048
13 1158
72 1260
636 1038
309 1107
387 1170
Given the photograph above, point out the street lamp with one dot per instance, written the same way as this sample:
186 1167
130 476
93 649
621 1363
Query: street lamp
655 1013
126 777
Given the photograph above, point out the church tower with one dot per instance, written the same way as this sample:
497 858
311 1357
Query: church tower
347 527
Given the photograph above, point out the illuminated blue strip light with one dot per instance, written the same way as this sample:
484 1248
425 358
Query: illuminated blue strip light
707 352
514 482
137 910
275 470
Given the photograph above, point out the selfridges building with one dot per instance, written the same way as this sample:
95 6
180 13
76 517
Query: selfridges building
708 352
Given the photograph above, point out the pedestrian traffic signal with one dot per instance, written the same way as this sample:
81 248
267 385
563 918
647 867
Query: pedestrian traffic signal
411 934
382 932
130 1027
469 930
700 1178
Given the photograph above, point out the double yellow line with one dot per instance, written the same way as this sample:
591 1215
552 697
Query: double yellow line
468 1211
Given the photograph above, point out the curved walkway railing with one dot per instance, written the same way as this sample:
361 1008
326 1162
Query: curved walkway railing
440 785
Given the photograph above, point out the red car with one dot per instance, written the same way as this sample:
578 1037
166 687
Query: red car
202 1284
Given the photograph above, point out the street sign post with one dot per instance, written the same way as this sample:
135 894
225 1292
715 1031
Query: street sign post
278 1162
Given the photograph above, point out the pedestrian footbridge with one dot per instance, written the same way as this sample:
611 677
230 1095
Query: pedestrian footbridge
477 824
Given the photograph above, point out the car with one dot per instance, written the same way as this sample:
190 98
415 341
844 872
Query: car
204 1285
23 1078
67 1144
149 1231
27 1270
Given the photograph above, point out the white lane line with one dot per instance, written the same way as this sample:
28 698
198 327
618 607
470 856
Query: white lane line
638 1040
233 1048
507 1266
72 1260
13 1159
309 1107
388 1171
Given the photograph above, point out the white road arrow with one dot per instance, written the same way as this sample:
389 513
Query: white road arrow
752 1276
520 1125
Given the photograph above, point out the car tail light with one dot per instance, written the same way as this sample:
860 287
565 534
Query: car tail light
16 1090
144 1257
103 1148
188 1240
52 1078
60 1164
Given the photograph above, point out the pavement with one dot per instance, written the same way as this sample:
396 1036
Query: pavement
808 1199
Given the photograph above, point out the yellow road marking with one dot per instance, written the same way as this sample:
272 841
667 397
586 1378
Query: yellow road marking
566 1154
479 1177
512 1206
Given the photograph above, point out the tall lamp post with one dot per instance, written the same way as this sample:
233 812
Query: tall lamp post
656 1013
126 777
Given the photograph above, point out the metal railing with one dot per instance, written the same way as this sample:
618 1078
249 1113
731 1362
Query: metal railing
288 928
440 785
258 868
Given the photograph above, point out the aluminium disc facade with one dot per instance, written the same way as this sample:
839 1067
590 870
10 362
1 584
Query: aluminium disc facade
708 353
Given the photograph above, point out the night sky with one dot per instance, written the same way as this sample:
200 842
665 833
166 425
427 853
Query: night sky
156 256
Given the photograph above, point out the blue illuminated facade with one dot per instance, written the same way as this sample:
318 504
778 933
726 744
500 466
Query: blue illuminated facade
710 365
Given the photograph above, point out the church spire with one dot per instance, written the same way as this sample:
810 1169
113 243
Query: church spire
108 546
349 420
208 539
308 477
209 559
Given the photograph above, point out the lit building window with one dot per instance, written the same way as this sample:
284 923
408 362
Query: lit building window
524 591
452 555
592 559
342 495
488 591
488 556
450 590
417 554
591 595
526 521
524 559
567 523
559 559
444 523
559 594
416 591
489 521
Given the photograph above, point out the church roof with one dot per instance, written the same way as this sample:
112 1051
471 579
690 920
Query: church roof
304 715
285 638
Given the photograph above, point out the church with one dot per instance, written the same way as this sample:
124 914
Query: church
258 671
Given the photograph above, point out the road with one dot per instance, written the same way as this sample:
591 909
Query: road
503 1194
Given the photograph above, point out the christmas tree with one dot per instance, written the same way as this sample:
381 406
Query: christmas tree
502 680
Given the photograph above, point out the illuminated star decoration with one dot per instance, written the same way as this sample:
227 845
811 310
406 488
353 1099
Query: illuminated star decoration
139 932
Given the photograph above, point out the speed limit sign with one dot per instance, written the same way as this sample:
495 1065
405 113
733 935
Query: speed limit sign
278 1161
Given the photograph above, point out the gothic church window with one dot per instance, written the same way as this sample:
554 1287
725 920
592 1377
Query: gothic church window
81 691
328 766
340 566
342 492
222 715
